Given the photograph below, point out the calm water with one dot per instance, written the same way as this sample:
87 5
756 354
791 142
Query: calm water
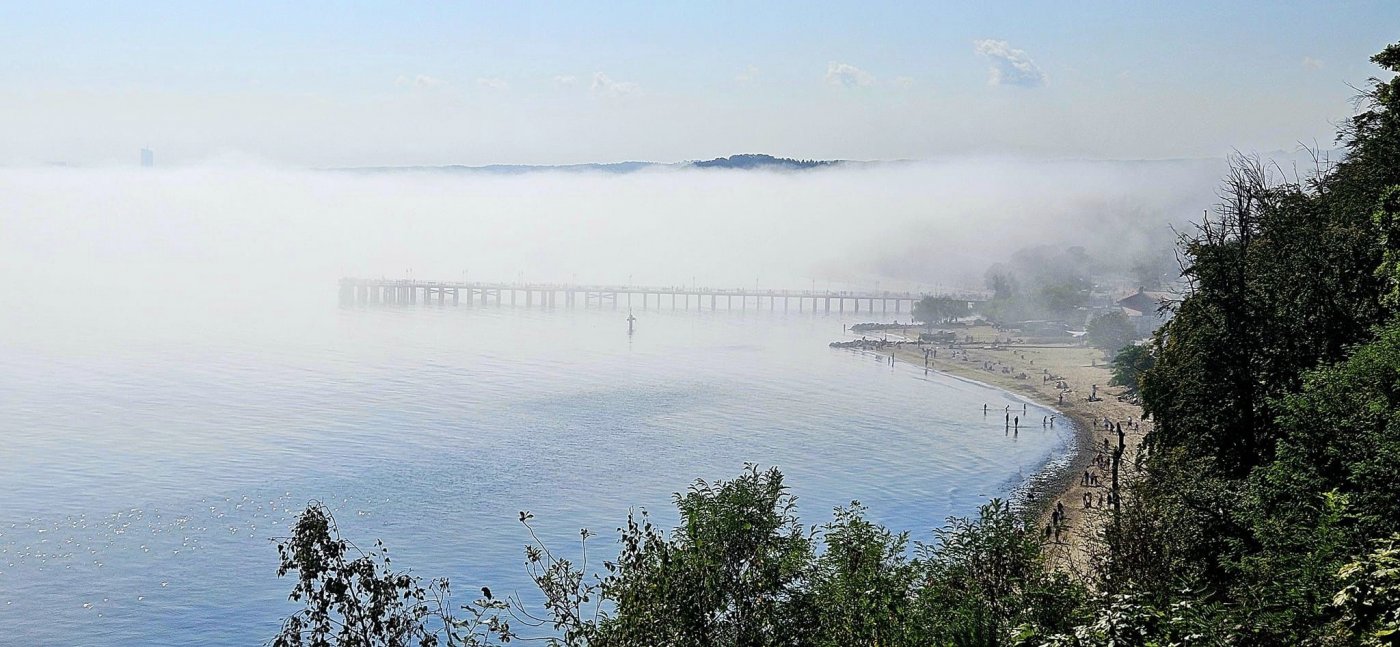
146 461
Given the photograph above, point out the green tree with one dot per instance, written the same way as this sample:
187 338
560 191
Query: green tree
1111 331
931 310
1282 279
1130 364
732 573
986 576
1370 598
354 598
863 582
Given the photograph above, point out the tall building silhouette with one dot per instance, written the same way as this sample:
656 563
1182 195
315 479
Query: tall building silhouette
148 157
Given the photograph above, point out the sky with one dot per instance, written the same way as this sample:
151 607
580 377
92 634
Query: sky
367 84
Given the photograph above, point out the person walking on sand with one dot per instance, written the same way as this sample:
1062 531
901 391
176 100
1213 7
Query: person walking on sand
984 408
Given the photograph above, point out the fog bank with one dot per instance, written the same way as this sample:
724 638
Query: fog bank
226 236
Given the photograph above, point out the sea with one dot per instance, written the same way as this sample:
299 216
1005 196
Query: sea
150 457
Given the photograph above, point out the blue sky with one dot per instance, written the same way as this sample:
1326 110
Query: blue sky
521 82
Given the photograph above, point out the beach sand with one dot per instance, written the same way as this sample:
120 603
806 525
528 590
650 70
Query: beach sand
1080 367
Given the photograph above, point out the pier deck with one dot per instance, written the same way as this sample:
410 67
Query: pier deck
355 291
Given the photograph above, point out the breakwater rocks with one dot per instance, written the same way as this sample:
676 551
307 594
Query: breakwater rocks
873 344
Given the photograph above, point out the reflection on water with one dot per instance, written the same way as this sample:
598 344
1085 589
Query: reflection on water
145 470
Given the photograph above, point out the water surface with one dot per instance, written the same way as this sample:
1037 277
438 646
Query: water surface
146 461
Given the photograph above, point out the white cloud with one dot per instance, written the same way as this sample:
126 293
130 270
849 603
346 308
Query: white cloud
419 81
606 86
1310 63
749 75
1010 66
903 82
847 75
568 80
492 83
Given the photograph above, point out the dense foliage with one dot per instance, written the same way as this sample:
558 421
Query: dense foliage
739 569
1110 331
1268 512
932 310
1130 364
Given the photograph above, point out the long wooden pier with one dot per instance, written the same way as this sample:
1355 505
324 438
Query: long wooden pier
355 291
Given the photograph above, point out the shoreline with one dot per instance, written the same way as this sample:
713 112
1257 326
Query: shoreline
1058 481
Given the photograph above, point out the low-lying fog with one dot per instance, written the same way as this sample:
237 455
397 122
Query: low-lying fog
148 243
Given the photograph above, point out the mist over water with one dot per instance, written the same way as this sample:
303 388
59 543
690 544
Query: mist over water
230 234
179 380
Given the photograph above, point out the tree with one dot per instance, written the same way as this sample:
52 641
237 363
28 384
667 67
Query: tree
733 573
930 310
1130 364
1111 331
986 576
354 599
1370 599
863 582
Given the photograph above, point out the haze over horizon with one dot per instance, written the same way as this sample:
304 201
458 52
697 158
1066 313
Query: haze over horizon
89 84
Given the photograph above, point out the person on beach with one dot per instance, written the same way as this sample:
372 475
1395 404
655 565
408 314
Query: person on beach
984 408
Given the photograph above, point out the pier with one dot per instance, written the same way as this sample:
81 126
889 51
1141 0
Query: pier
354 291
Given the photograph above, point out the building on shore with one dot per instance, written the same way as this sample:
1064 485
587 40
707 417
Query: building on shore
148 158
1145 310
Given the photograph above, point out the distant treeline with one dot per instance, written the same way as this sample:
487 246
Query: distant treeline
1268 513
759 160
750 161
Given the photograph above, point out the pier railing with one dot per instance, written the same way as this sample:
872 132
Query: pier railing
357 291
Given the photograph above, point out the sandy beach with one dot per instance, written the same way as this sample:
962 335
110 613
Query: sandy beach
1017 364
